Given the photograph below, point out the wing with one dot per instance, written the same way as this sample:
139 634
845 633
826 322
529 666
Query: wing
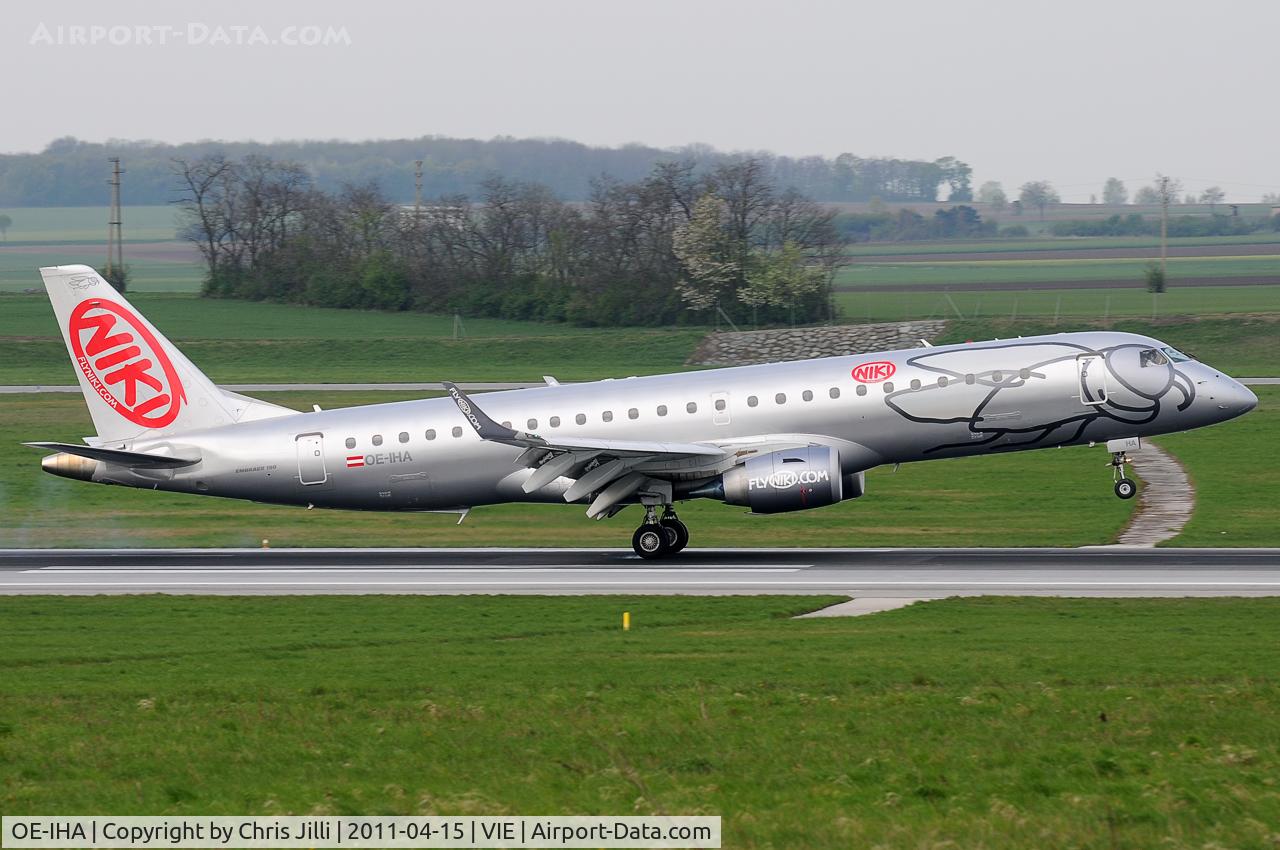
615 470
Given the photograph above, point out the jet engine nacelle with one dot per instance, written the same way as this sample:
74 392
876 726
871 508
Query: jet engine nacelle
790 480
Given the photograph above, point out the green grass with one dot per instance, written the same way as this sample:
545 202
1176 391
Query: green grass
1068 243
1068 303
924 504
1234 470
975 272
241 341
19 272
1239 345
987 723
89 224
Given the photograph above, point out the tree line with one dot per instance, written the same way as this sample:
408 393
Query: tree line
69 172
677 245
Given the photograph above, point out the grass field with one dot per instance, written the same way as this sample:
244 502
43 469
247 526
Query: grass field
1048 498
238 341
971 273
1239 345
19 272
1064 243
1068 303
990 723
88 224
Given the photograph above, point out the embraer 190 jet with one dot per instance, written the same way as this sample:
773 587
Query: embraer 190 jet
772 438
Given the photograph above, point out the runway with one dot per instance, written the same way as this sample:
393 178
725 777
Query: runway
916 573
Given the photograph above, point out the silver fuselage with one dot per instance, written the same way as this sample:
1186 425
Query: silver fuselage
947 401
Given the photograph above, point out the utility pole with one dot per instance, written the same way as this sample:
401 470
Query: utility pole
115 239
417 192
1168 187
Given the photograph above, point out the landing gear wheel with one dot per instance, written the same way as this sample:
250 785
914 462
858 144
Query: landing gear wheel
1126 488
677 533
651 541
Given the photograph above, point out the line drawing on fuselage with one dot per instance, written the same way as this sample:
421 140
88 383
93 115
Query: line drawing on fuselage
772 438
1014 375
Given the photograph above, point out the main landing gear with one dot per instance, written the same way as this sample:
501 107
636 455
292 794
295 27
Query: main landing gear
1125 487
659 538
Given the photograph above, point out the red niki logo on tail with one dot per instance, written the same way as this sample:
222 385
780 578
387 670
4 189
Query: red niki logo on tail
124 363
874 372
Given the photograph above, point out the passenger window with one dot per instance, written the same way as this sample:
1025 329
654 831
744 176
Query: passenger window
633 414
752 401
377 439
720 404
607 416
834 392
915 383
404 436
581 419
969 378
457 432
997 377
555 421
691 407
351 442
1024 374
862 389
662 410
532 425
780 398
431 433
888 387
807 395
942 381
506 423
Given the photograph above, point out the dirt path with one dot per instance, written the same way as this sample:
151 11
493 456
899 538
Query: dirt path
1164 503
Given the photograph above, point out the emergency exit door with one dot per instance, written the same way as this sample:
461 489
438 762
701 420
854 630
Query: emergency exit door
311 459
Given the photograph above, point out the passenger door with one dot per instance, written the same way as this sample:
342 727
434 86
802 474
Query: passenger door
1092 372
311 468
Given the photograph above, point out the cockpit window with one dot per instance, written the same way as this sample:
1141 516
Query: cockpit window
1152 357
1176 356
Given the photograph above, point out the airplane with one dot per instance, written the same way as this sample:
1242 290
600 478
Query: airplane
772 438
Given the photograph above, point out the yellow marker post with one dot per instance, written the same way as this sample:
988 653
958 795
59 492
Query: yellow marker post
626 621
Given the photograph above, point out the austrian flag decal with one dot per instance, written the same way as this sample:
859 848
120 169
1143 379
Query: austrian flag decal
874 372
124 363
354 460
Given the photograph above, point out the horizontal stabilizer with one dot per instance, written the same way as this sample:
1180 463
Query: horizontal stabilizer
137 460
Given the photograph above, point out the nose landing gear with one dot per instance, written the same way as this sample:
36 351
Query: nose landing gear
1125 487
659 538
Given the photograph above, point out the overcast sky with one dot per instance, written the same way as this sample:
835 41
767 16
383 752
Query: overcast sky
1071 92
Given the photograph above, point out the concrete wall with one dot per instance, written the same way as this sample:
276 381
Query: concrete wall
746 347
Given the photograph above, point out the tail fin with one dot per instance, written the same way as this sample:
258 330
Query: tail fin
134 380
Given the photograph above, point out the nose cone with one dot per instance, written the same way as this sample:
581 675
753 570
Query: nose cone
1234 398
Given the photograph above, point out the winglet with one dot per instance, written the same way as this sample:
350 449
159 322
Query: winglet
485 427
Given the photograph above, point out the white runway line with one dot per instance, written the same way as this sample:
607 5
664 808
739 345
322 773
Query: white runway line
552 568
820 583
